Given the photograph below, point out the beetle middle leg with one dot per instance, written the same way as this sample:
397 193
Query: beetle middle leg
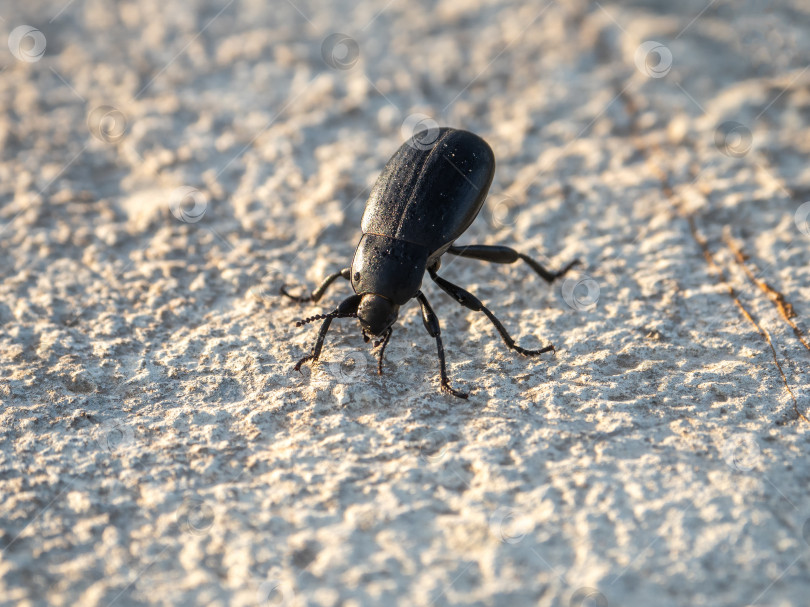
500 254
318 293
347 308
468 300
431 322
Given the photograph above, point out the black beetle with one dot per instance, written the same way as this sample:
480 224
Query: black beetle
427 195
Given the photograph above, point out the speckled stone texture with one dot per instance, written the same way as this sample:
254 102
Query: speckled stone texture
165 166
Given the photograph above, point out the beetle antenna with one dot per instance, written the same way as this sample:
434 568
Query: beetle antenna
304 321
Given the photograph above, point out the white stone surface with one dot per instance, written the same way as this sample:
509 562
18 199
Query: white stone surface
156 446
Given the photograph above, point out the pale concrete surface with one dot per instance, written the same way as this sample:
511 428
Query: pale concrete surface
155 445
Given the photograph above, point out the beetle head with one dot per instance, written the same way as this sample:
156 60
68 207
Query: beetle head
376 313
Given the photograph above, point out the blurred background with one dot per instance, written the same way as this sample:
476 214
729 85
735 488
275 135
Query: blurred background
166 166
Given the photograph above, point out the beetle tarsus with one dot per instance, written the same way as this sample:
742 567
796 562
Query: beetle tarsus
564 271
296 298
318 293
297 367
525 352
446 388
546 275
501 254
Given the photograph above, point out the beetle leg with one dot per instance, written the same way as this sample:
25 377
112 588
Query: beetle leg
499 254
383 342
468 300
347 308
318 293
431 322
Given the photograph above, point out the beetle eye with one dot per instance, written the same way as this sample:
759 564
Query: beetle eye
357 275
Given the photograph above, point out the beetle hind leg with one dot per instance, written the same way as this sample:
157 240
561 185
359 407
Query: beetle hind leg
470 301
431 322
318 293
500 254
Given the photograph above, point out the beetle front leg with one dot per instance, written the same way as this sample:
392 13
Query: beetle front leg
470 301
347 308
318 293
500 254
382 343
431 322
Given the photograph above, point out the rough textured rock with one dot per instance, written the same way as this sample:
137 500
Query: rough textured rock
167 166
